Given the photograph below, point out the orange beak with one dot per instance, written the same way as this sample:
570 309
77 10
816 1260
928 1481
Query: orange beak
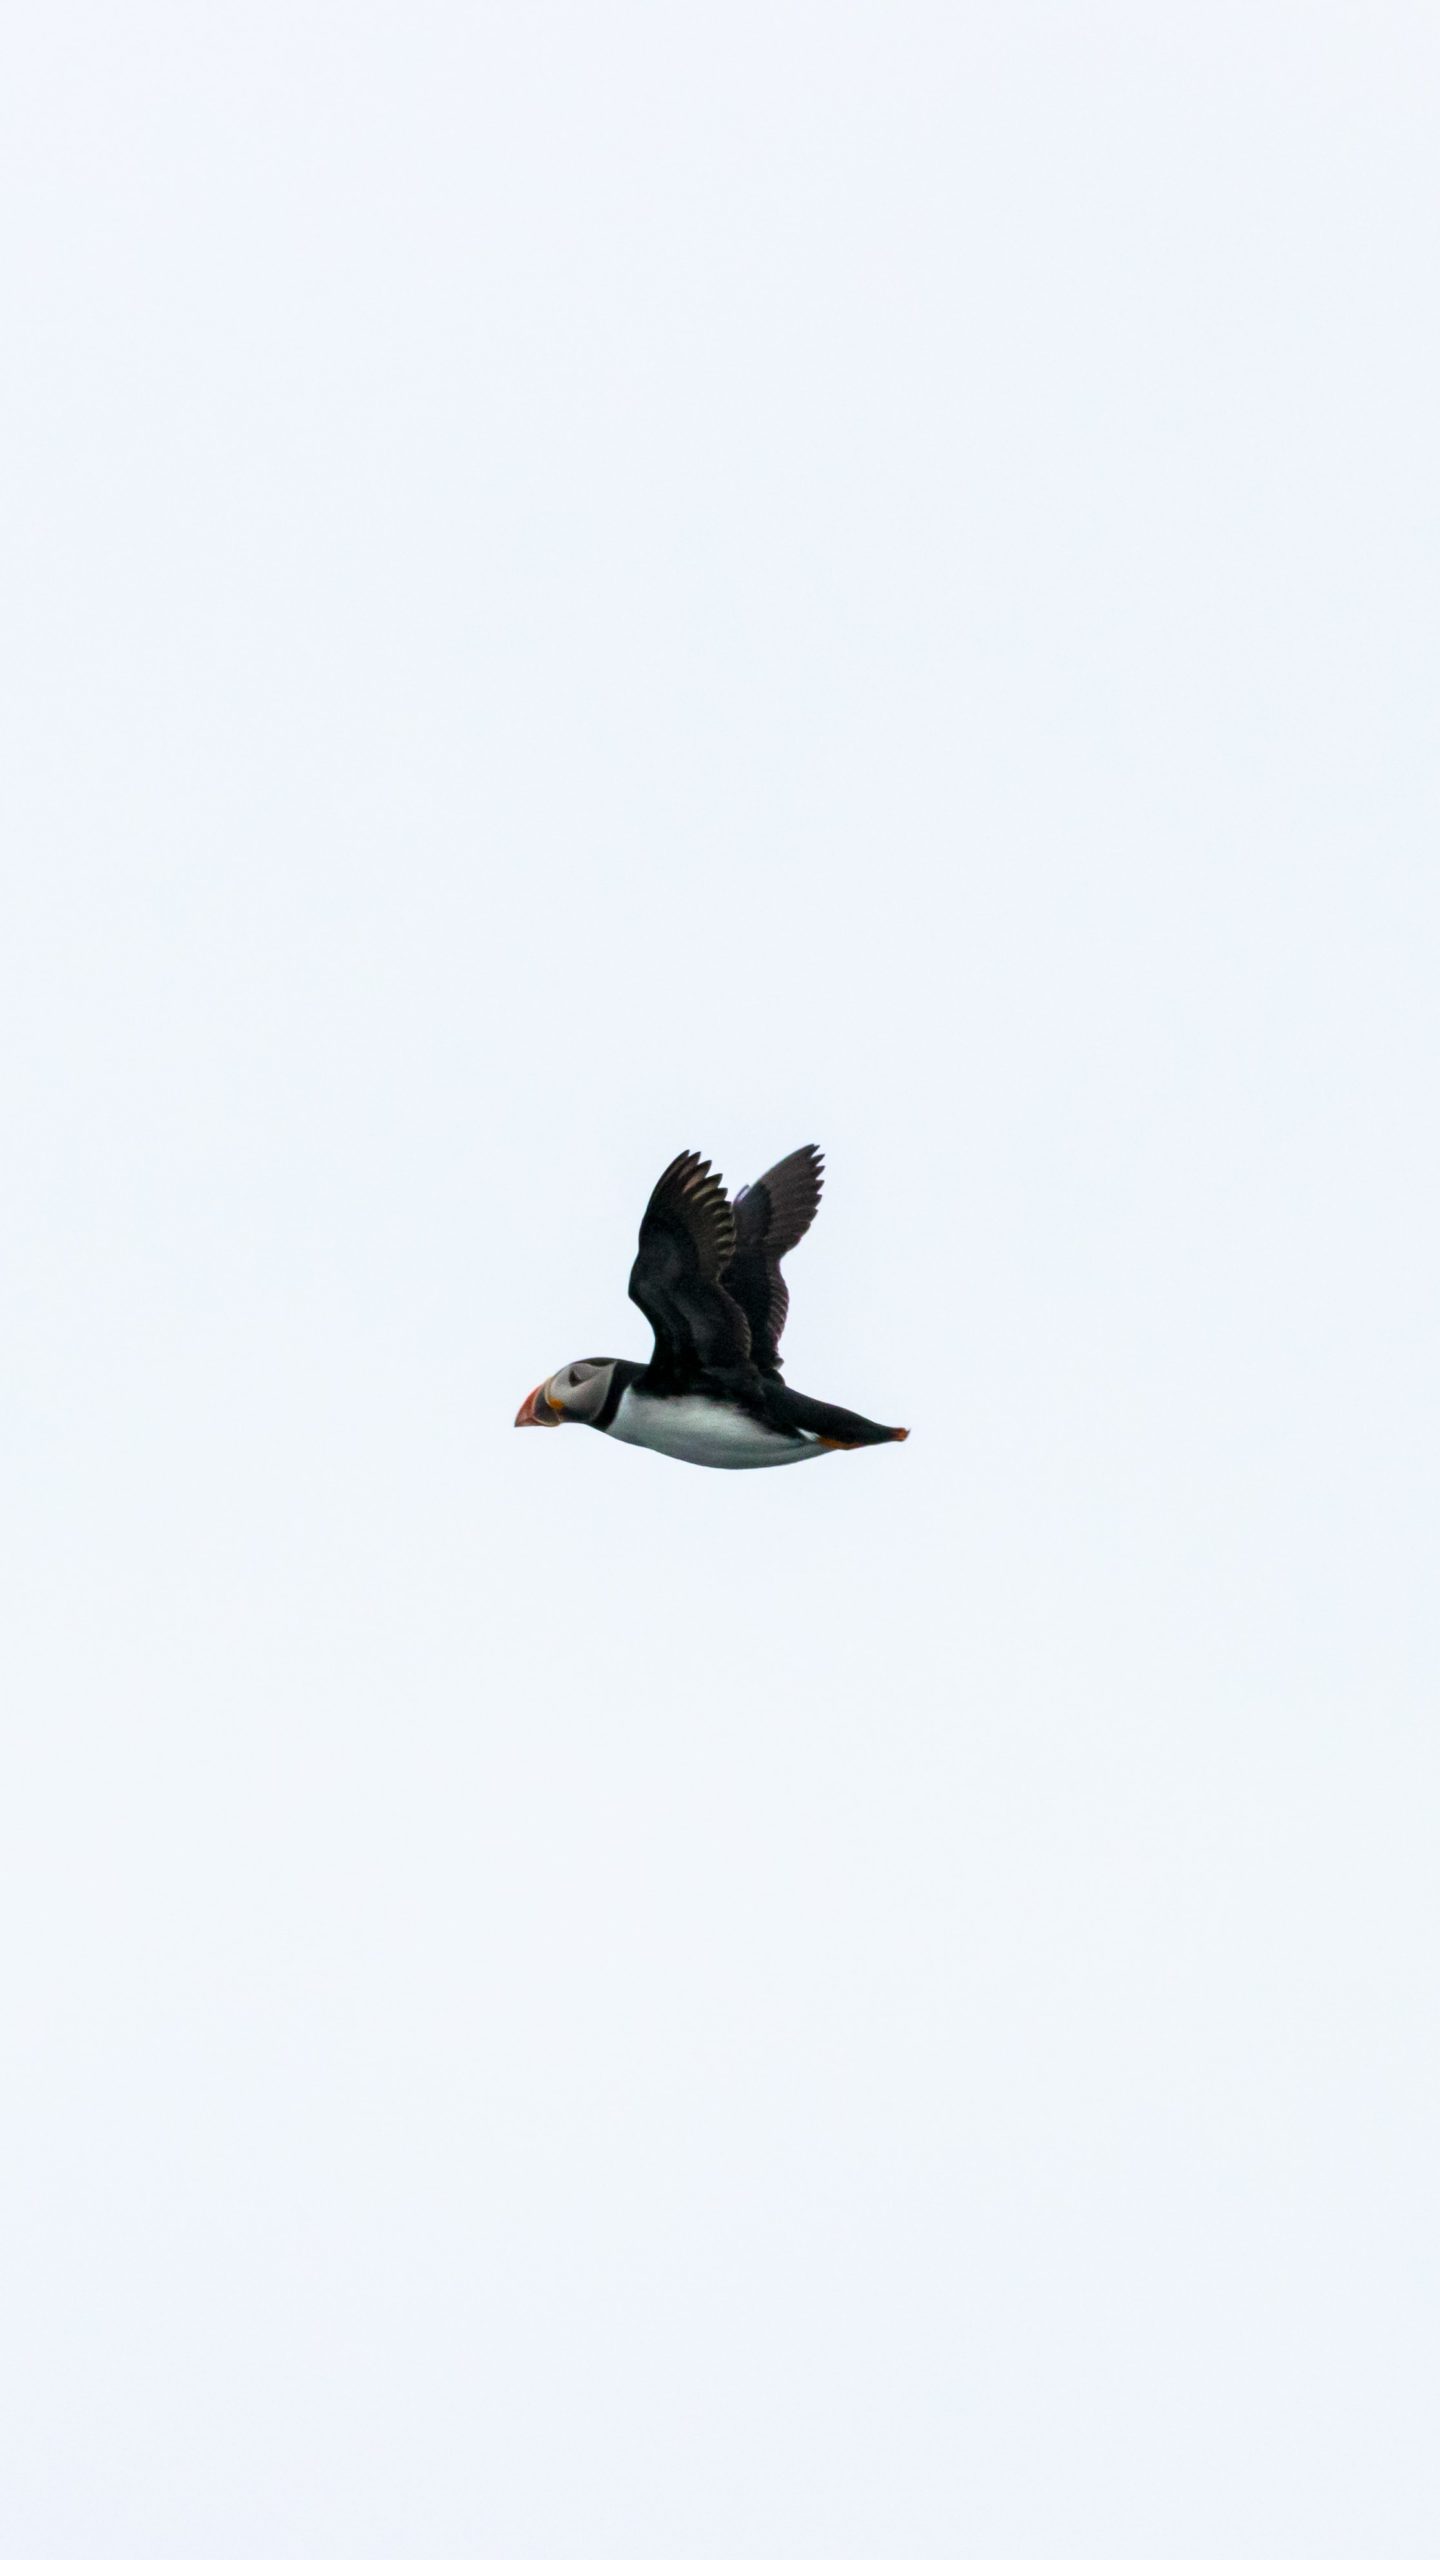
536 1409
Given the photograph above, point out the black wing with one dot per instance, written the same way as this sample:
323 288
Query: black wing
770 1216
687 1236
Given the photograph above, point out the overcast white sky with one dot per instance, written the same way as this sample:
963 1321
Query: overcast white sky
582 581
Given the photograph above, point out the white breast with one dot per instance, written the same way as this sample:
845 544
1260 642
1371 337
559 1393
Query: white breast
704 1433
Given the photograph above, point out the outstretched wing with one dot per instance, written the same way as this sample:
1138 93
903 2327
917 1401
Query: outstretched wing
687 1236
770 1216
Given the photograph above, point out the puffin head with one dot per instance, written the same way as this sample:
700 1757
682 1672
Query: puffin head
574 1394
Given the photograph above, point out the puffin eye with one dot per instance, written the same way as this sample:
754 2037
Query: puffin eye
574 1378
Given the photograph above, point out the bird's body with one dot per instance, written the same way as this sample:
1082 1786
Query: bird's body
707 1431
707 1275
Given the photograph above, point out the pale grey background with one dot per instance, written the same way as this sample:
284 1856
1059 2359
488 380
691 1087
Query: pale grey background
583 581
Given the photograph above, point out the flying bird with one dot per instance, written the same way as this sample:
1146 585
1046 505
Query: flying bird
707 1276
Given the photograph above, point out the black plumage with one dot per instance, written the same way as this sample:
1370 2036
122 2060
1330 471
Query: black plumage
771 1215
707 1275
687 1237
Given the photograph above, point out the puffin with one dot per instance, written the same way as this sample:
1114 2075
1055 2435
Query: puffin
707 1276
